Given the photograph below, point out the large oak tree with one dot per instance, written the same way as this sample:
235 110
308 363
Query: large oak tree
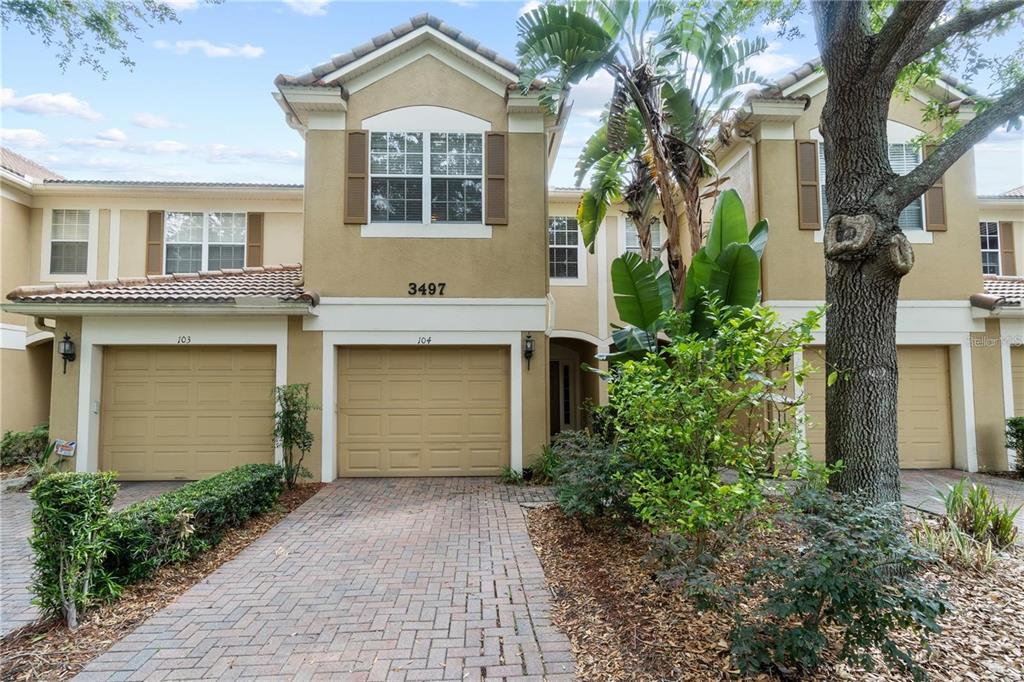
869 49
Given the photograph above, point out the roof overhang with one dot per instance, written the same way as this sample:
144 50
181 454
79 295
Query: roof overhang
239 307
306 106
776 109
163 189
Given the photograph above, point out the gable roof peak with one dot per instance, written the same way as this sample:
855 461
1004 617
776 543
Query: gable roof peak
315 77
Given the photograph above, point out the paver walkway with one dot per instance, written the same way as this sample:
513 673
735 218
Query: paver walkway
921 486
16 609
371 579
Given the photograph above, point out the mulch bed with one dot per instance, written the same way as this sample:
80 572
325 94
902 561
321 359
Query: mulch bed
625 626
13 471
48 650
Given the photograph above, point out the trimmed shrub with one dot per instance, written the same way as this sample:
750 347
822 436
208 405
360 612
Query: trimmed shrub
593 482
180 524
21 447
1015 440
70 524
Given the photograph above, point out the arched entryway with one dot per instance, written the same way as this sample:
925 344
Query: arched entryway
572 389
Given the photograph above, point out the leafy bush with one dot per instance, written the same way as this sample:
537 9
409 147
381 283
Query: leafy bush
857 572
291 428
70 541
42 465
510 476
973 511
594 482
544 467
182 523
21 447
1015 440
693 409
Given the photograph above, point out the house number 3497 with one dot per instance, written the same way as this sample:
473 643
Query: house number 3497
426 289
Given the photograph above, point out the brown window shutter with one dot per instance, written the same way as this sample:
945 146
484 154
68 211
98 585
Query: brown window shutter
1008 264
357 148
935 202
808 198
496 180
254 239
155 243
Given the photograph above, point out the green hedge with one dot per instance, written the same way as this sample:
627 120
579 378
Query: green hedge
21 447
70 525
182 523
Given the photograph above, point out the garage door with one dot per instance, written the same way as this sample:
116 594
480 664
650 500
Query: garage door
414 411
185 413
1017 375
925 421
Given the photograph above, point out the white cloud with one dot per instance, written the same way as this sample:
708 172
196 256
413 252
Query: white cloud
23 138
311 8
772 62
48 104
1002 170
112 135
182 5
209 49
222 153
153 122
528 7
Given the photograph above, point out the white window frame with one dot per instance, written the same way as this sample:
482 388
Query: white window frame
450 229
896 133
656 244
205 258
997 250
580 280
92 251
426 120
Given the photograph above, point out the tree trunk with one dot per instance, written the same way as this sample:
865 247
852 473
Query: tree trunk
861 405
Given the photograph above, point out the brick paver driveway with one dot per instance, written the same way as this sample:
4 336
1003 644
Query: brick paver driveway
16 557
372 579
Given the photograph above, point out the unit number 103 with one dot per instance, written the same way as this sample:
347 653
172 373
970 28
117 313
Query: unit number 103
426 288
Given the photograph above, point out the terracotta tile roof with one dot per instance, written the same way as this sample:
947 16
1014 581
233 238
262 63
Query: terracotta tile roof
1015 192
280 282
26 168
173 183
1005 289
314 77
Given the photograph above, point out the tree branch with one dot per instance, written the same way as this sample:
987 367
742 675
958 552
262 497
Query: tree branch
909 22
965 21
908 187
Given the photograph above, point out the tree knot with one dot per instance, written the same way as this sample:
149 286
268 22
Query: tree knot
847 237
901 254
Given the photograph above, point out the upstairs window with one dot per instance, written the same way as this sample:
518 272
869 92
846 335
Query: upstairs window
633 239
903 158
69 242
197 241
563 248
442 178
990 262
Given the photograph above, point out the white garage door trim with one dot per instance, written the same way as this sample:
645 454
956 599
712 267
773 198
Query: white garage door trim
328 455
161 331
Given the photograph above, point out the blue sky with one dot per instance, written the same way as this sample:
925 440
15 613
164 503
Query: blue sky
197 105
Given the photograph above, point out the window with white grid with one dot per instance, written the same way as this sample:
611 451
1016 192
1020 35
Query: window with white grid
633 239
196 240
990 262
456 177
903 158
396 177
563 248
69 242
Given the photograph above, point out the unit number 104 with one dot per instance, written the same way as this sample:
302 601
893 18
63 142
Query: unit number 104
426 288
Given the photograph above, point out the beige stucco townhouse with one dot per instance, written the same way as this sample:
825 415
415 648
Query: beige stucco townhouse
444 303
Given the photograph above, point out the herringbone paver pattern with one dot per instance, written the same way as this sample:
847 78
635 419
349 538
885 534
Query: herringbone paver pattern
16 607
372 579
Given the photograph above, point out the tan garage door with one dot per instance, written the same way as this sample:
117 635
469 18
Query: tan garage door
925 421
1017 374
423 411
185 412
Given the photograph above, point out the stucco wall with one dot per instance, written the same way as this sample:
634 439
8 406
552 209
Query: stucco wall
25 386
64 387
986 357
15 240
512 263
305 366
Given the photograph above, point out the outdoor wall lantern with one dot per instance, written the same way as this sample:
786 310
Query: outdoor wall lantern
66 348
528 349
